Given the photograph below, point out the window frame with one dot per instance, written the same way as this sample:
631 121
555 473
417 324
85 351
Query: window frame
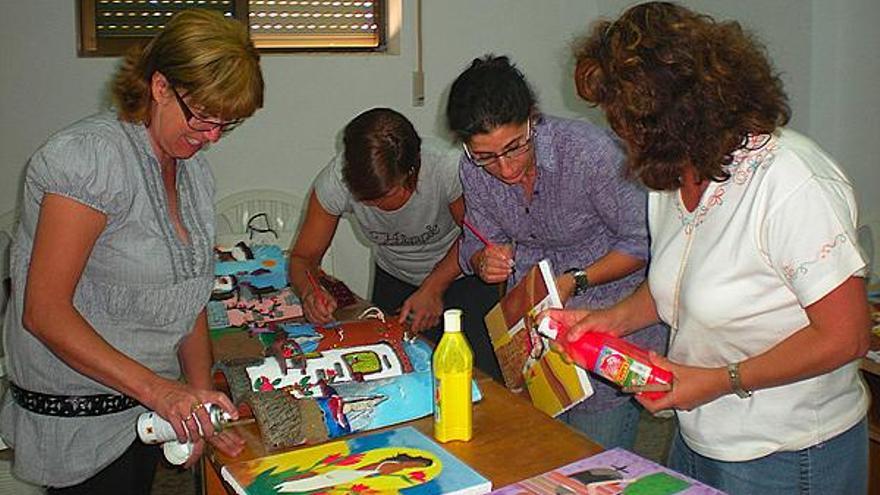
387 13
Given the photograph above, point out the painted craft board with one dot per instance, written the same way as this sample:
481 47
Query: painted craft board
526 359
613 472
401 460
363 374
250 287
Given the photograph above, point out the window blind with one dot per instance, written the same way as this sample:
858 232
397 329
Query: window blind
144 18
314 23
108 27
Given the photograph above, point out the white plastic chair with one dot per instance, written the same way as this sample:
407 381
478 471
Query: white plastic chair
282 215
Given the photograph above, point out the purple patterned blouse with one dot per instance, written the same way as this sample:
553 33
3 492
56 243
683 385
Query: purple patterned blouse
582 208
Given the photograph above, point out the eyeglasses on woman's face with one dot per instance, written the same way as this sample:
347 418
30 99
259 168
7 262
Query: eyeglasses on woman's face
515 150
200 124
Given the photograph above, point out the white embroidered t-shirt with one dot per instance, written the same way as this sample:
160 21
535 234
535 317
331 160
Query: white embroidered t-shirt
732 279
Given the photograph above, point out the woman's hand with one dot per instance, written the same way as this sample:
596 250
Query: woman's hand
691 386
565 286
494 263
423 308
598 321
565 318
184 408
580 321
318 305
227 442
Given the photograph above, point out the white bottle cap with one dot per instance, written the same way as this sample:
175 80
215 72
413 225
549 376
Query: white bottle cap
177 453
452 320
548 328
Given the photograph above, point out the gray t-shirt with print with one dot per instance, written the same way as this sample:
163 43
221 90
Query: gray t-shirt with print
409 241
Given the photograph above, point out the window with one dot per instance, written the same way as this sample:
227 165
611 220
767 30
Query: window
109 27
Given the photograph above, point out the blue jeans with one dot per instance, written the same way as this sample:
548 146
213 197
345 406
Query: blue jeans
837 466
616 427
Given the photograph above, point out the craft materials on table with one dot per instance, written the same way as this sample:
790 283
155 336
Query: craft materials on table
250 288
453 364
323 382
621 362
526 359
312 382
401 460
613 472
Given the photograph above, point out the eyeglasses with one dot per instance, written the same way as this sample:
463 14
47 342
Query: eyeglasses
199 124
483 160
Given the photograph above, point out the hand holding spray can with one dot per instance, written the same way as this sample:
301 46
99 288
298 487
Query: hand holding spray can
153 429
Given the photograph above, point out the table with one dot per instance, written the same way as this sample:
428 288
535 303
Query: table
512 441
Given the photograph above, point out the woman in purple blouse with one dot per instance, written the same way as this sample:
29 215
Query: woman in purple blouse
543 187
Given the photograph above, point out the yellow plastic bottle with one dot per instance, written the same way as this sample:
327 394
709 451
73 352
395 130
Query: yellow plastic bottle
453 364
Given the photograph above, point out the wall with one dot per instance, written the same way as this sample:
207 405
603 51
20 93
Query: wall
309 98
845 72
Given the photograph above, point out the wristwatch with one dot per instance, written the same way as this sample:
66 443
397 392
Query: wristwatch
581 282
736 381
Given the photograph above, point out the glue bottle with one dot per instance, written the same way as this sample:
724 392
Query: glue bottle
622 363
453 370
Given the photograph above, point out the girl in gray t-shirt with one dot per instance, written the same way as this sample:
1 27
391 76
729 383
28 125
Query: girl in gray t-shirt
405 196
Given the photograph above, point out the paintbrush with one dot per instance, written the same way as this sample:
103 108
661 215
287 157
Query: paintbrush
316 288
483 239
476 232
240 422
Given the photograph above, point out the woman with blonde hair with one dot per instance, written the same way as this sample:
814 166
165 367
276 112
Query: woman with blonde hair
112 266
754 262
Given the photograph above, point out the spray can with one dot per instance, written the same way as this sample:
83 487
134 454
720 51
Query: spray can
154 429
622 363
453 371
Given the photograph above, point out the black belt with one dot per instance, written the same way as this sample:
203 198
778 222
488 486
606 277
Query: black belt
69 406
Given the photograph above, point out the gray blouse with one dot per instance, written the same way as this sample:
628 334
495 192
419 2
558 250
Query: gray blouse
142 287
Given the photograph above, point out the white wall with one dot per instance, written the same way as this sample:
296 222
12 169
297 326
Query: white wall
845 74
309 98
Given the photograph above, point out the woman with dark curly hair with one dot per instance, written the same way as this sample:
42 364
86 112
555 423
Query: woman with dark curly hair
754 262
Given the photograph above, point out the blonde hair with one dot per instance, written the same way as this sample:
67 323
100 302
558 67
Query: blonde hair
209 58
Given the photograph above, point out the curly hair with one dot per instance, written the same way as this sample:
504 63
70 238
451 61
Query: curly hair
382 150
208 57
679 88
489 94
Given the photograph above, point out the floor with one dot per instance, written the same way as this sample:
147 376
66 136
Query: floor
174 481
652 442
654 438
